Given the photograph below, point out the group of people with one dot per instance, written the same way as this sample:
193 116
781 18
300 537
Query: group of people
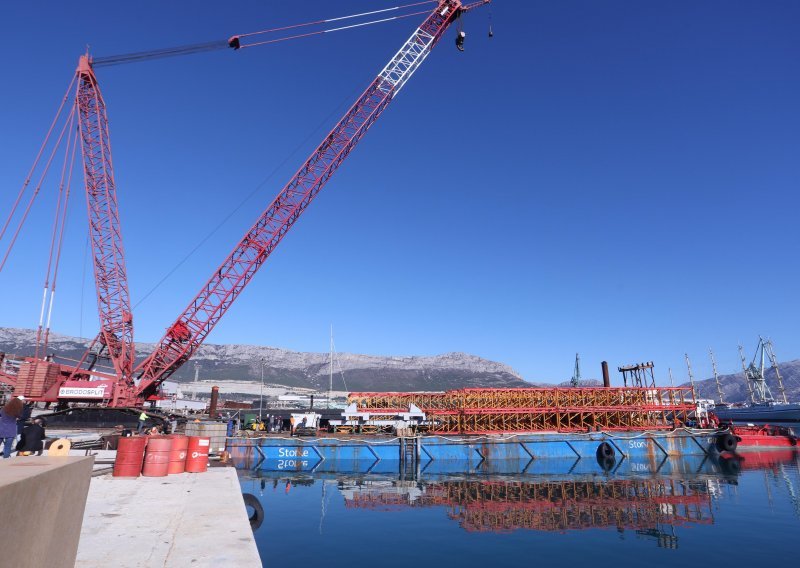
16 434
270 423
169 427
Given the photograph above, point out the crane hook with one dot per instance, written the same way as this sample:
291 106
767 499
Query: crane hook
461 35
460 40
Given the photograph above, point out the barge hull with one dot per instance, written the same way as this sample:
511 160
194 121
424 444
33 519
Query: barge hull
516 452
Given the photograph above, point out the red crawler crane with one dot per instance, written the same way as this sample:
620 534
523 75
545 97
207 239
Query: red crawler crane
42 380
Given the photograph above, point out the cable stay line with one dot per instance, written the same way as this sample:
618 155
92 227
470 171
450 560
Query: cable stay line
235 39
28 178
37 188
329 20
235 42
191 49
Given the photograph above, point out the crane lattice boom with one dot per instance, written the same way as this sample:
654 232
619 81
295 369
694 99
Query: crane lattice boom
191 328
113 299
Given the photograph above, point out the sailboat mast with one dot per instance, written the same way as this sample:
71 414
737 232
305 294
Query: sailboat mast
691 377
330 375
716 377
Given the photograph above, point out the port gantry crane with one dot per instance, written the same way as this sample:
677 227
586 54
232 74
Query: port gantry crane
130 385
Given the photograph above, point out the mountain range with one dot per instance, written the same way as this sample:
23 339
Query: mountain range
352 372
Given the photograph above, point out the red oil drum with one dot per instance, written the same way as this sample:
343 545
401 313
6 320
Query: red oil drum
156 458
177 454
197 454
130 453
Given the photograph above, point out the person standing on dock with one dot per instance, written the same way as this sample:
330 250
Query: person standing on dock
33 438
142 420
8 424
27 410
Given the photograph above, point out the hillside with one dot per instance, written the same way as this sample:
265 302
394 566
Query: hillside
311 370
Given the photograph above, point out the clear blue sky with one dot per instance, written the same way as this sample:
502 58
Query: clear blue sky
615 178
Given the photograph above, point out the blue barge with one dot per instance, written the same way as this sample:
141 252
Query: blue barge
523 453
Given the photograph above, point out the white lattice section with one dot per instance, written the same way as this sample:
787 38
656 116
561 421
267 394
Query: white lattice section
406 61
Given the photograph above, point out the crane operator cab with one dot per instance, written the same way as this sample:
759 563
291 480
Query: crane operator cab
460 37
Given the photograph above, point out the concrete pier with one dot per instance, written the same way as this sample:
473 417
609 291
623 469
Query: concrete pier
41 506
188 519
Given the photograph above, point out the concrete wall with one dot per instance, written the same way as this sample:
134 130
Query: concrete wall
42 500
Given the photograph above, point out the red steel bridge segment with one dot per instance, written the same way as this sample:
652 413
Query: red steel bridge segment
191 328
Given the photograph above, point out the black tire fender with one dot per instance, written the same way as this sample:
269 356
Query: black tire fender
605 451
256 517
731 466
606 464
727 442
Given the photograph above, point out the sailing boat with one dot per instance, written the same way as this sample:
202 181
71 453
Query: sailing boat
330 371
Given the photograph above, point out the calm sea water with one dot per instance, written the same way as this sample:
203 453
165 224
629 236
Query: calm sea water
697 512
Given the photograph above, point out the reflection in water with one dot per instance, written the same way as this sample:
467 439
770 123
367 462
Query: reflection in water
649 506
655 502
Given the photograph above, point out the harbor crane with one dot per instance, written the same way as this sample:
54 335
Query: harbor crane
575 381
131 384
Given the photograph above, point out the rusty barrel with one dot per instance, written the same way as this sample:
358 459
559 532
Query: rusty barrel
177 454
130 453
197 454
156 457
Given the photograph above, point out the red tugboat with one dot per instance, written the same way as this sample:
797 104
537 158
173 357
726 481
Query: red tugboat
766 437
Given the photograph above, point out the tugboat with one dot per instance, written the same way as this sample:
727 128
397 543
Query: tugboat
766 437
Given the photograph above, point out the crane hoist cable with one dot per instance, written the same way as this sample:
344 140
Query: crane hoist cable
235 42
